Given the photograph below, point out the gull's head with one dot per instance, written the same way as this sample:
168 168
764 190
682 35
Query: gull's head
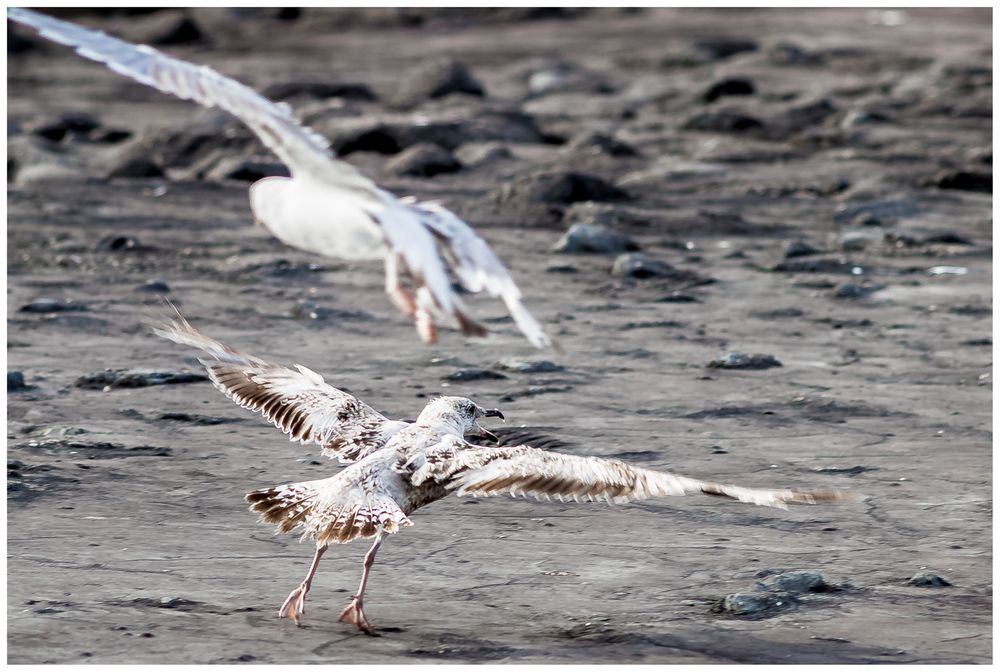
458 414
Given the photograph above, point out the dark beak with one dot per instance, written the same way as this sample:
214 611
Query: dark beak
494 413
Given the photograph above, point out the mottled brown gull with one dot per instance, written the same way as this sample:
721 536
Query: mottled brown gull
326 206
397 467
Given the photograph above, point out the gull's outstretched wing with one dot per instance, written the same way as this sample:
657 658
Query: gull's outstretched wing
328 207
304 150
298 402
527 471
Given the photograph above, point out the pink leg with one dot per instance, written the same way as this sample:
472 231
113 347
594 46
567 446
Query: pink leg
354 613
402 298
295 603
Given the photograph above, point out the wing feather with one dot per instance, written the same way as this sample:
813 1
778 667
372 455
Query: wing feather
296 401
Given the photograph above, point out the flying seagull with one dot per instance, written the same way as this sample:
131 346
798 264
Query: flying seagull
326 206
397 467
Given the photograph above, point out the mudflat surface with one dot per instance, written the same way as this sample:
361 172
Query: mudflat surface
865 135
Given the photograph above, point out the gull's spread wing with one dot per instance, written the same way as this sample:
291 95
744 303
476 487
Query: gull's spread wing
527 471
297 401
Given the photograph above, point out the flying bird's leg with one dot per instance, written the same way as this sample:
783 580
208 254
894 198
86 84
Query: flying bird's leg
295 603
354 613
394 288
424 317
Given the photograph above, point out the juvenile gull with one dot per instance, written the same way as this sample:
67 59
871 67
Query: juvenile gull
326 206
397 467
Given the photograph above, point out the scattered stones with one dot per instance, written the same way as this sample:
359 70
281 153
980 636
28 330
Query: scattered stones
799 248
246 170
129 378
115 243
438 80
594 238
794 582
423 160
928 580
318 91
563 187
964 180
730 86
46 305
741 360
599 143
723 121
154 287
752 604
473 373
529 366
15 381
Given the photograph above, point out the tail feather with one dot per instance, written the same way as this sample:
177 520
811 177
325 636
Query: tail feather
286 506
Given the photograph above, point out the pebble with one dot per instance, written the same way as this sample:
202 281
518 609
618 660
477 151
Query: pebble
529 366
594 238
562 187
964 180
741 360
799 248
154 287
730 86
642 267
723 121
748 604
136 167
723 47
600 143
424 159
437 80
318 91
793 582
127 378
928 580
856 241
473 373
115 243
851 290
52 306
15 381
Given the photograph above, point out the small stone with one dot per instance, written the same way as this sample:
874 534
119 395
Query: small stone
529 366
473 373
799 248
594 238
947 238
793 582
438 80
318 91
723 47
115 243
560 187
741 360
601 144
136 167
856 241
964 180
424 159
748 604
851 290
928 580
478 154
639 266
154 287
125 378
52 306
730 86
723 121
15 381
72 124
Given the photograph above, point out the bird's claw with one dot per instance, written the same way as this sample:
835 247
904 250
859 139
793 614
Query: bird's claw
295 604
355 615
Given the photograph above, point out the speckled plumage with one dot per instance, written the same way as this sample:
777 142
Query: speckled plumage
397 467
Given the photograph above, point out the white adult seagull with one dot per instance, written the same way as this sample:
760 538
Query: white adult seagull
326 206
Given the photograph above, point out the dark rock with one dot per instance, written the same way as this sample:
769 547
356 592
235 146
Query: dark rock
136 167
125 378
15 381
851 290
719 48
560 187
69 125
52 306
752 604
642 267
318 91
966 181
473 373
817 265
594 238
529 366
723 121
438 80
154 287
247 170
678 297
730 86
787 53
927 580
115 243
799 248
111 136
800 117
741 360
947 238
423 160
305 309
601 144
379 139
794 582
170 30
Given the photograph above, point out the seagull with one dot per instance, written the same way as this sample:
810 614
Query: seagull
327 206
395 467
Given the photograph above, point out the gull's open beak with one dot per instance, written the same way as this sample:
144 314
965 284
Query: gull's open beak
494 413
482 431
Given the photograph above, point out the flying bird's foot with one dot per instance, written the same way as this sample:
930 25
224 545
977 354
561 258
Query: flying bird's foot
425 326
295 604
403 300
355 616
